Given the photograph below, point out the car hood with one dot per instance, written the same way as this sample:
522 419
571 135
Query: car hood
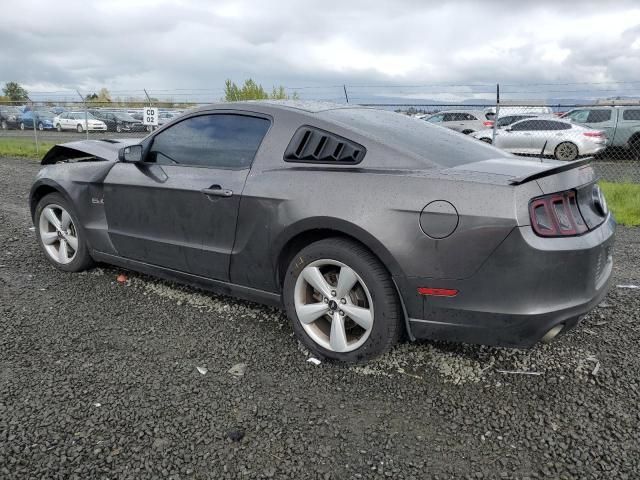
105 150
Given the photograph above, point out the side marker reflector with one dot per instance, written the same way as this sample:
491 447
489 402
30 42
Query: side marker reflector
438 292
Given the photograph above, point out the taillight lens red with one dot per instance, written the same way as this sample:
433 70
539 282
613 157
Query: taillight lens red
594 134
557 215
488 123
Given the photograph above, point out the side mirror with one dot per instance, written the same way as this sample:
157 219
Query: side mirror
130 154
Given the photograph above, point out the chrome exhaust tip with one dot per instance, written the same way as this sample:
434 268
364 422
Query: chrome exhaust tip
551 334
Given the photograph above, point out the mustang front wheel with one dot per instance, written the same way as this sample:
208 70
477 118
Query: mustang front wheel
60 234
341 301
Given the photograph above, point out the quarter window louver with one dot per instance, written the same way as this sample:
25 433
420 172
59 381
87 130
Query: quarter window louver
313 145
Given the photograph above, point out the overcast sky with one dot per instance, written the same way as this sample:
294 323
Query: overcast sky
166 45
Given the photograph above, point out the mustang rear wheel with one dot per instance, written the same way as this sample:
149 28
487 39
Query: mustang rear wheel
60 234
79 129
341 301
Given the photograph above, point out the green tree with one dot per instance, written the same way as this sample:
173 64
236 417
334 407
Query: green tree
251 90
15 92
103 96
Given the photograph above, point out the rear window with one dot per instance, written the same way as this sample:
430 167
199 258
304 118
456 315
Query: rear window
597 116
434 146
631 115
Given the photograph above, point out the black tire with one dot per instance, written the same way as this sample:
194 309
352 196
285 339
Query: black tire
486 140
4 125
82 260
21 125
561 152
634 148
79 128
40 126
388 321
59 127
467 132
118 128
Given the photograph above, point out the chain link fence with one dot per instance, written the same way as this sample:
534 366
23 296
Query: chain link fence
609 132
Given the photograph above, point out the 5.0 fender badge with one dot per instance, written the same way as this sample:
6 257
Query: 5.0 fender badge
97 201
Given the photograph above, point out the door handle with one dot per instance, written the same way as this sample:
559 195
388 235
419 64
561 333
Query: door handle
217 191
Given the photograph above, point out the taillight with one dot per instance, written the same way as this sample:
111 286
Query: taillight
594 134
557 215
488 123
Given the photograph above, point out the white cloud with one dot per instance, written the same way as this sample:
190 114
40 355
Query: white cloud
127 45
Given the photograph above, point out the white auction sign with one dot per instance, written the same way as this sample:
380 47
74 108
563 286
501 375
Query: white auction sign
150 116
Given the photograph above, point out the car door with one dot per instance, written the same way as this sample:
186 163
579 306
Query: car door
64 120
549 132
178 209
628 126
470 122
453 121
110 120
517 138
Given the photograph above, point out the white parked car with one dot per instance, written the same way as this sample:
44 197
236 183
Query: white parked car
79 121
561 139
486 135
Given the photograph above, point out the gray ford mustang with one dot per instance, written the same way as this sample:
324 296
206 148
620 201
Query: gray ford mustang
365 225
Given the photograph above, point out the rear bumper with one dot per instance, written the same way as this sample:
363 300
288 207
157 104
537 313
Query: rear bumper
525 288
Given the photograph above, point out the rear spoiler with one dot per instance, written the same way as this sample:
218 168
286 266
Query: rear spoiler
551 171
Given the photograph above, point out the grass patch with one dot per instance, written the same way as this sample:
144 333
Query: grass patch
18 147
624 201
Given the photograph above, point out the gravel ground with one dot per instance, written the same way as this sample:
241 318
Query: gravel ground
148 379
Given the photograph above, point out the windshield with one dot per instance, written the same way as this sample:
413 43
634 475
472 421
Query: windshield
434 145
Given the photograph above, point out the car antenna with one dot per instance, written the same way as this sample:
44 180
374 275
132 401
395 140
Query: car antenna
542 151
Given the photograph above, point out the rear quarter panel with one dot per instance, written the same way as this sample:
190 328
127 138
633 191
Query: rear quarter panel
380 207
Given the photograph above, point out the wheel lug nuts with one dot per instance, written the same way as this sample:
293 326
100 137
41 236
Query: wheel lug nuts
326 300
343 301
333 293
341 313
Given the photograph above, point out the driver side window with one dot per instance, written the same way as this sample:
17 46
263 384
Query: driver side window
214 140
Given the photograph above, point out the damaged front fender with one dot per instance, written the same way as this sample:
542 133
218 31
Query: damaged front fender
88 150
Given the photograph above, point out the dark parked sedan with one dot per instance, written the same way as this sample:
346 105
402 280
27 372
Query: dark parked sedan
119 121
365 225
9 117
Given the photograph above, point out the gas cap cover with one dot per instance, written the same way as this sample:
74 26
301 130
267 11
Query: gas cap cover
439 219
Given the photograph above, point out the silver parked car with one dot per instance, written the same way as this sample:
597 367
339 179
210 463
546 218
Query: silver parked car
486 134
463 121
561 139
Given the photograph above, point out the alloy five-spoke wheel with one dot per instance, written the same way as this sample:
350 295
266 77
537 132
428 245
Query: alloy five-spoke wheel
58 234
334 305
566 151
341 301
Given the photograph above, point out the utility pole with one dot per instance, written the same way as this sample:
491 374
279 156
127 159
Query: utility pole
497 115
86 114
35 130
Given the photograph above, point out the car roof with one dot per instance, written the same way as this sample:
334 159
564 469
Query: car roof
270 105
551 118
461 110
